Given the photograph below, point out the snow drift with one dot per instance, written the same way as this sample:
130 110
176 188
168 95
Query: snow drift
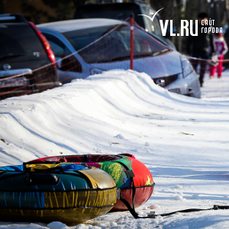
183 141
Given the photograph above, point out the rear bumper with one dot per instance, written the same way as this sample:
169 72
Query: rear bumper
6 92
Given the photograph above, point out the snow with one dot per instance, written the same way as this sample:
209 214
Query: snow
182 140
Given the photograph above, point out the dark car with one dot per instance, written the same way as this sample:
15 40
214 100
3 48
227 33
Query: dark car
122 11
27 63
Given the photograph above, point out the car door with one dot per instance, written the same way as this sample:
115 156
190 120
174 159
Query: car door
69 64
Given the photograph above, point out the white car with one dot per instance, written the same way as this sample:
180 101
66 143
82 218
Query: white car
88 46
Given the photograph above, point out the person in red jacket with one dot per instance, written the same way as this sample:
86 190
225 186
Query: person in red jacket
221 50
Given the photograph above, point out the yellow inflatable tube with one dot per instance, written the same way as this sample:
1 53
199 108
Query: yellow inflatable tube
63 192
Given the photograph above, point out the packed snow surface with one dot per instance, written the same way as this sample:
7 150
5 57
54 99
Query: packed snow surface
183 141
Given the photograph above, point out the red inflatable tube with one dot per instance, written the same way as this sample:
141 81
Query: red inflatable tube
132 177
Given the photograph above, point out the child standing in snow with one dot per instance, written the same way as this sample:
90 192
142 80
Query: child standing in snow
221 50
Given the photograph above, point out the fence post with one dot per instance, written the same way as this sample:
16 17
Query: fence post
131 42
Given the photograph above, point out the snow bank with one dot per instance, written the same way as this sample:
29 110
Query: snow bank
182 140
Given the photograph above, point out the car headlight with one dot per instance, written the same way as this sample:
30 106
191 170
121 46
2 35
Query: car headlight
94 71
186 66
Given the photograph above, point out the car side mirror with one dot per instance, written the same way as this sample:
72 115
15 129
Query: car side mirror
69 64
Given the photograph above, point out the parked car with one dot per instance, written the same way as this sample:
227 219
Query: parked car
24 52
89 46
121 11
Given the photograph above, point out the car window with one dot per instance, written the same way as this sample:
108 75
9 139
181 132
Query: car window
57 50
69 63
81 38
152 27
20 41
156 27
147 21
114 44
57 46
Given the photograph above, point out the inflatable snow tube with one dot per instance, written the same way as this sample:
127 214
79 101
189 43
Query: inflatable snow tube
132 177
64 192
